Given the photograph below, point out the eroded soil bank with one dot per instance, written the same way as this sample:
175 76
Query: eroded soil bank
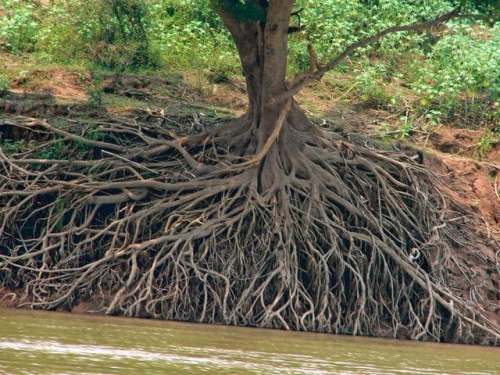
470 175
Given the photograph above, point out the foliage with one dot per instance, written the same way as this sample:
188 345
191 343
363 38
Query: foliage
96 90
123 32
55 151
10 147
4 83
334 24
136 34
453 71
460 74
18 25
189 34
109 33
486 143
243 10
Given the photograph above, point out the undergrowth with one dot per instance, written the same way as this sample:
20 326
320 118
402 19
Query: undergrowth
448 75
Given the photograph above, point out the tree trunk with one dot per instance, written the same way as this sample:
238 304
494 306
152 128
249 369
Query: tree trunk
263 50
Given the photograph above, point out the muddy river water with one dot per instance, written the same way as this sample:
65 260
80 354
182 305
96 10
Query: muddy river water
35 342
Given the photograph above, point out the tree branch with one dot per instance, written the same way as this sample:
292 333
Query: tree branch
296 29
304 78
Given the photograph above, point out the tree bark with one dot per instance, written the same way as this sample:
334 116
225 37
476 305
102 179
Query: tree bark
263 48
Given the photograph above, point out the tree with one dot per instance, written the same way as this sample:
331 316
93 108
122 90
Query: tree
267 221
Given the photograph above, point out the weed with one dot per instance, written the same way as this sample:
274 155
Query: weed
96 90
406 128
222 77
10 147
486 143
4 83
82 148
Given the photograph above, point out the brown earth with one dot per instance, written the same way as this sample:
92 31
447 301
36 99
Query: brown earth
65 86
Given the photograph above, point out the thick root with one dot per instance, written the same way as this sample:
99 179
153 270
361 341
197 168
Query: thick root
328 237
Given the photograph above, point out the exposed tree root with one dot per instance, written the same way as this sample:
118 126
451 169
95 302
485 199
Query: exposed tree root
329 237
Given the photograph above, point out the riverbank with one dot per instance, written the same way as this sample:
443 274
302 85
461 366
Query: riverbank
66 97
469 156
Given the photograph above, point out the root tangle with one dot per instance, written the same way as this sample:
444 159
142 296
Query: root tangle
327 236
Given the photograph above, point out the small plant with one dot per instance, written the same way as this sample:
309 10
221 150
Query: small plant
95 91
405 129
54 151
459 77
4 84
432 119
369 81
10 147
222 77
486 143
83 148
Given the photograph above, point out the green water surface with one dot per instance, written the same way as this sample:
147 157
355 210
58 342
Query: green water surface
35 342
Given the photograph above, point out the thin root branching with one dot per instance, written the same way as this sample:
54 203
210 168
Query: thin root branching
330 237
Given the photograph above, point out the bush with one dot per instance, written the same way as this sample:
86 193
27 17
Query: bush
460 75
109 33
134 34
189 34
334 24
455 75
18 26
